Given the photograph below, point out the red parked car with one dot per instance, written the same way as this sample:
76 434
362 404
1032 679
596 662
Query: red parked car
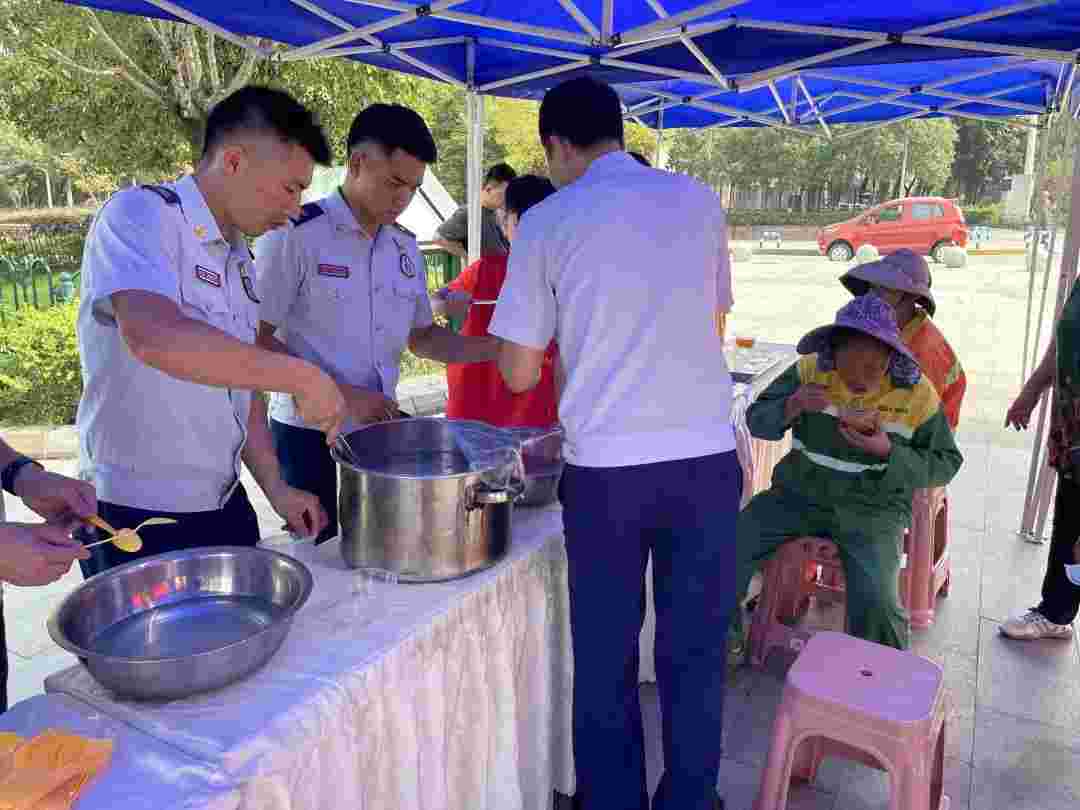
922 224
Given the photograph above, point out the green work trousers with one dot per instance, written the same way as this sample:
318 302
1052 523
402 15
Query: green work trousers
869 543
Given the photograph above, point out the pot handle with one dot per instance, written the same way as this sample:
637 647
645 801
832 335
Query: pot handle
482 495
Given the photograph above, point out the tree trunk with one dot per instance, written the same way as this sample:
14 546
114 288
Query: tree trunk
48 189
70 195
195 130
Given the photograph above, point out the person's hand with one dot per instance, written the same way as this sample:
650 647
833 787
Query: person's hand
876 444
453 304
810 398
56 498
36 553
320 403
365 406
302 512
1019 414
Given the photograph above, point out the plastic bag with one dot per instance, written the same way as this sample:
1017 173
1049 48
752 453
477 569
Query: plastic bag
503 455
491 451
541 449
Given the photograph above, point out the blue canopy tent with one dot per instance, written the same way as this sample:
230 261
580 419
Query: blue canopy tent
793 64
752 49
801 65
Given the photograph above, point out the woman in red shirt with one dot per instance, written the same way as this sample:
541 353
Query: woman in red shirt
476 390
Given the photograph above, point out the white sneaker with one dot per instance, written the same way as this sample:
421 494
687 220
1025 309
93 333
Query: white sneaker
1033 625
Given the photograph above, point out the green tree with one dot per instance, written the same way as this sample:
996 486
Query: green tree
931 153
778 160
986 152
133 93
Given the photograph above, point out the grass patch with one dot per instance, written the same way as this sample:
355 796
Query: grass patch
413 366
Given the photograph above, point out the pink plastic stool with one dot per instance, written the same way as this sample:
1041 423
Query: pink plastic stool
859 700
927 546
801 568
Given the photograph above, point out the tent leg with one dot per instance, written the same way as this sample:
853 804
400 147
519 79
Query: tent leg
1031 500
474 107
1047 485
659 139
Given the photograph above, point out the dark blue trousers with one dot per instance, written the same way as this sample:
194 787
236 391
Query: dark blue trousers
306 464
235 524
683 512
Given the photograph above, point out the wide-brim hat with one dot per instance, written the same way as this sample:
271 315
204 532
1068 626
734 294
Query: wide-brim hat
867 314
903 270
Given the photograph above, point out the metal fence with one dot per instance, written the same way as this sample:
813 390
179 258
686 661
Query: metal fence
43 270
39 271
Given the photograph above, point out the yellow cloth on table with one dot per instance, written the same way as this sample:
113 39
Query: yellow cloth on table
48 771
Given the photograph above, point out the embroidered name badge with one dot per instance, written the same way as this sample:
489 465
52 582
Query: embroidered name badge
207 275
334 270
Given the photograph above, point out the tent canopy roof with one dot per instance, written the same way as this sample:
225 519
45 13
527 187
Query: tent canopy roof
727 62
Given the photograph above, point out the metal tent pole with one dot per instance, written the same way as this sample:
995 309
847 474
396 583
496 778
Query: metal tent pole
659 139
1040 493
474 108
1040 221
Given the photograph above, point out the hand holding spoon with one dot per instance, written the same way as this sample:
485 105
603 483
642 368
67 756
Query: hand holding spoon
124 539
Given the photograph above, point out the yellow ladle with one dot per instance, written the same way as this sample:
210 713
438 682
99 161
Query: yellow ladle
124 539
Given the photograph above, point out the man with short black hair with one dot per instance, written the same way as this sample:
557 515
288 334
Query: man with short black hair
344 287
167 328
453 235
628 267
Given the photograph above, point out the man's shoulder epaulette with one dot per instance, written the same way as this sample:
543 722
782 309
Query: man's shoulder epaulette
308 212
166 193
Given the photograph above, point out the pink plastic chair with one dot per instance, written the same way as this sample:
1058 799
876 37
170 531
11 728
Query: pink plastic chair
804 567
801 568
863 701
927 545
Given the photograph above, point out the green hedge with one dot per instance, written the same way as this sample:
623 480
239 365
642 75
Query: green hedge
973 214
764 216
62 251
46 216
983 214
40 380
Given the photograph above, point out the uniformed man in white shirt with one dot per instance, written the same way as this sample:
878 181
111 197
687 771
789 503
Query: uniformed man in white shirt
167 329
344 287
626 267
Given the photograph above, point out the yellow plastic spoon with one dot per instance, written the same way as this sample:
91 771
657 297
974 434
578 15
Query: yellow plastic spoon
125 539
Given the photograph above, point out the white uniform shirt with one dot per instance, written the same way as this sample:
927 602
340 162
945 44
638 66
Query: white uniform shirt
341 300
148 440
624 268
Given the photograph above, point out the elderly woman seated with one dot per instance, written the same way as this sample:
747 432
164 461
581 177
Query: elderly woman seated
868 429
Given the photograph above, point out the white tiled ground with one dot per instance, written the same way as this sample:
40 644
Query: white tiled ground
1014 731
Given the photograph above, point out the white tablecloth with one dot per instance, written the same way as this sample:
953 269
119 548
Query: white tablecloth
449 695
143 772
